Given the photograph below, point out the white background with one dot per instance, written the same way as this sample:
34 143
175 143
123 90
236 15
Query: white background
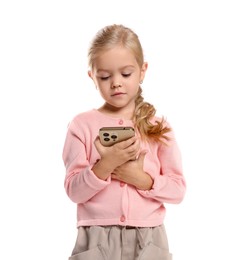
196 79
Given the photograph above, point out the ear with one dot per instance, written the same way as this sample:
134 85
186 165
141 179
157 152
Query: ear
90 74
143 71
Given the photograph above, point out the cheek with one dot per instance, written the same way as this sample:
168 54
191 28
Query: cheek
135 90
102 85
102 89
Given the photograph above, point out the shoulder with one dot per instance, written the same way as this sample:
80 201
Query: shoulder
80 120
84 116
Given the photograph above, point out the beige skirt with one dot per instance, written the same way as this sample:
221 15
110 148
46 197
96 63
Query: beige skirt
121 243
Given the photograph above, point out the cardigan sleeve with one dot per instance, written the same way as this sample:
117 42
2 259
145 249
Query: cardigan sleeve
169 185
81 184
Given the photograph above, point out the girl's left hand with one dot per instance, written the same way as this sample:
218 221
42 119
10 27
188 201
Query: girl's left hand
132 173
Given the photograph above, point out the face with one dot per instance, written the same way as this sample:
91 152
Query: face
117 76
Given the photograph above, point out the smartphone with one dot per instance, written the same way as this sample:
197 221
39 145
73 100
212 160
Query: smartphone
112 135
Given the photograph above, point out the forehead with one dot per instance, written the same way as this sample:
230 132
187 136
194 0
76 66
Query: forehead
115 57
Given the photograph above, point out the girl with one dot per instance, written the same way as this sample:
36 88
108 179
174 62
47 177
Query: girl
120 190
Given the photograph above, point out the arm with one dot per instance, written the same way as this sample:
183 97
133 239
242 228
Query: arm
132 173
114 156
84 180
169 186
81 184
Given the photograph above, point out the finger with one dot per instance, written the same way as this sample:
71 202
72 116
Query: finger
125 144
115 177
97 142
142 156
97 139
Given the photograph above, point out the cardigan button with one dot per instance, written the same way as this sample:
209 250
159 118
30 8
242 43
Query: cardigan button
122 184
122 218
121 122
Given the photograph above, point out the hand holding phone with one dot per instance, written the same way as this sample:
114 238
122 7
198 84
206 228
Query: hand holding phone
112 135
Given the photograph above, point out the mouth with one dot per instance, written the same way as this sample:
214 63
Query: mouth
118 94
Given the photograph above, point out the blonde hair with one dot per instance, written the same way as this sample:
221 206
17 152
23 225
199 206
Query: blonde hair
119 35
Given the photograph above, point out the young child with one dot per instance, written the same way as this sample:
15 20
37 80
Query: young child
120 190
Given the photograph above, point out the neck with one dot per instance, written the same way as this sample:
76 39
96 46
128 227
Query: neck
125 113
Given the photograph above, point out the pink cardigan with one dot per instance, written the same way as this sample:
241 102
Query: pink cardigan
112 202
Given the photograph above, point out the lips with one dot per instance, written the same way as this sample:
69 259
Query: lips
118 94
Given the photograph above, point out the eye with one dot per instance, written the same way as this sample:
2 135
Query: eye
125 75
104 78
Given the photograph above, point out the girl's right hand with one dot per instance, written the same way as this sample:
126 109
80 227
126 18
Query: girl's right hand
118 153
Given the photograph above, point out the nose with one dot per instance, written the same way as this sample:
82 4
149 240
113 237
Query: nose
116 85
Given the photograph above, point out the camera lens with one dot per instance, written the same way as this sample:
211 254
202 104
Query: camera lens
113 136
106 139
105 134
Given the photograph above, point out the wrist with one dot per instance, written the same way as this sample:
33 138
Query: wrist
102 169
146 182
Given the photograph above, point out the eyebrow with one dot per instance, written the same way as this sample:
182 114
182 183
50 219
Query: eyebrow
127 66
